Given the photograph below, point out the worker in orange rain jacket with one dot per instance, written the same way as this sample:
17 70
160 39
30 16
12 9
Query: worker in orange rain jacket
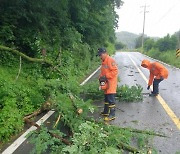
157 73
108 83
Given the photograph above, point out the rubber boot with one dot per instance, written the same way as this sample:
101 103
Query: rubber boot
106 109
153 95
111 113
155 91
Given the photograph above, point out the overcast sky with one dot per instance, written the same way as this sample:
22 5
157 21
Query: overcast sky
162 17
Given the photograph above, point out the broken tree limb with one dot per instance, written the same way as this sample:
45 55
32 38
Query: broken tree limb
57 121
32 123
133 130
27 121
25 56
44 107
145 132
127 147
29 58
60 138
78 110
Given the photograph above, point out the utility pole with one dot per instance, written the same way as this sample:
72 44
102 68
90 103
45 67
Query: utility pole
142 46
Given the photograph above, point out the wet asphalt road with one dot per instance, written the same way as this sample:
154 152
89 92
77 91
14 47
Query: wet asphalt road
148 114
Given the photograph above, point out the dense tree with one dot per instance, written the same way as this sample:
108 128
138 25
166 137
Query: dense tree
119 45
139 41
162 44
166 43
149 44
30 25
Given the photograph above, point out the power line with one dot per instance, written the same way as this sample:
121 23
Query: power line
167 12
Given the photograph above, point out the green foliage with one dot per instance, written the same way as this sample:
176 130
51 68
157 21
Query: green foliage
119 45
167 57
162 49
31 25
124 93
17 98
71 31
139 41
166 43
43 141
91 91
10 118
149 44
129 94
162 44
68 107
90 137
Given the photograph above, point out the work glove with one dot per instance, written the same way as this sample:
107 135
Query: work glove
161 78
102 79
148 87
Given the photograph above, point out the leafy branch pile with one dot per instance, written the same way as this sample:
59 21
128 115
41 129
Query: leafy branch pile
87 135
124 92
91 137
129 94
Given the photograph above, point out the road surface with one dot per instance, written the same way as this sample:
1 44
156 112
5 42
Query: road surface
154 113
160 113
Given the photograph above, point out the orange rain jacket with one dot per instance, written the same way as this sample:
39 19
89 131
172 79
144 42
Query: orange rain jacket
110 70
156 69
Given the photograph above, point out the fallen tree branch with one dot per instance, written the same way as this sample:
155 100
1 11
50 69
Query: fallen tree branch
57 121
32 123
78 110
127 147
60 138
44 107
29 58
144 132
133 130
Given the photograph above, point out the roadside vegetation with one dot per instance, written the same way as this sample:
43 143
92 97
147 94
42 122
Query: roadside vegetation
47 42
47 48
163 49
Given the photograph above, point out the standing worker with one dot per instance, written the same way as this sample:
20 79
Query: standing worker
108 83
157 74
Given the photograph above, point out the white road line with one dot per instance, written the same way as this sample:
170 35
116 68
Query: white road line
90 76
22 138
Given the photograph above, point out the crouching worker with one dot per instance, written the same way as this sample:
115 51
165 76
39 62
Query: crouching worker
157 74
108 83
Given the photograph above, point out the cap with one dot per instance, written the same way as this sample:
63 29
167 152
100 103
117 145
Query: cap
101 51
